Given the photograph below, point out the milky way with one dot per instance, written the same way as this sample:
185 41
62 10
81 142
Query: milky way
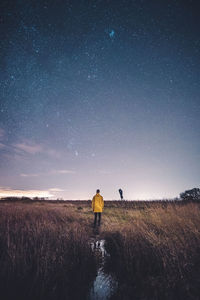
99 94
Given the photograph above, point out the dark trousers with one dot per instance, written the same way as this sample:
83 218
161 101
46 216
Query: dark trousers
95 218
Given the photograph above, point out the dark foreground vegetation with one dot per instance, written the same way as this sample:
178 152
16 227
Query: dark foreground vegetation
154 249
44 254
156 255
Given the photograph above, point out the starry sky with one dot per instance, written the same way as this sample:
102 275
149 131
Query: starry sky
99 94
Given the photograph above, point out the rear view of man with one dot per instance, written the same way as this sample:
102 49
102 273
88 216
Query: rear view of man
121 194
97 207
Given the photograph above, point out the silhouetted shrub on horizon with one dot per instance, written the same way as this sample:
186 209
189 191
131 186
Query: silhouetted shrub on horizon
191 195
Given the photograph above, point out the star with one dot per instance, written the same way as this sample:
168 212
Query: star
112 34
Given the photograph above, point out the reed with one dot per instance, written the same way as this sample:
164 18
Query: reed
155 255
44 254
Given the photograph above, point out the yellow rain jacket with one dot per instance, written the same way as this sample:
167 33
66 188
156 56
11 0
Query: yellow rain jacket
97 203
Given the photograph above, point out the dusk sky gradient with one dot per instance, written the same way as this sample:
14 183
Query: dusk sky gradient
99 94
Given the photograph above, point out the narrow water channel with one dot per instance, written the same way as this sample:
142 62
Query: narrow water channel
104 284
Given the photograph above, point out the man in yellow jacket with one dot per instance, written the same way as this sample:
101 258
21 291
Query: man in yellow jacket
97 207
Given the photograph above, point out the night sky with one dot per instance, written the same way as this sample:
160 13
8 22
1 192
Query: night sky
99 94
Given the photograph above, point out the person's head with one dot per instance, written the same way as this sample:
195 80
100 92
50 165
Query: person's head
98 191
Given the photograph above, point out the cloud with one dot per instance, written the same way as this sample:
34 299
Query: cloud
56 190
31 148
2 141
26 148
52 172
2 146
30 175
8 192
64 172
2 134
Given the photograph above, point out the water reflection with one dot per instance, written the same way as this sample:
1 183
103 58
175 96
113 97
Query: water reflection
104 284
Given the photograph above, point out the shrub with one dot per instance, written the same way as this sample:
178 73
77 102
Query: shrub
193 194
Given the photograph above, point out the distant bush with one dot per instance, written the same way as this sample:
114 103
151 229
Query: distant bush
13 199
193 194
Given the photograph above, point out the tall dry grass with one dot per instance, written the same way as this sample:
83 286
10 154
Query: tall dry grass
44 253
156 253
154 250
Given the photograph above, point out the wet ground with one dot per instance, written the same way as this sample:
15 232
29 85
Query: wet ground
104 284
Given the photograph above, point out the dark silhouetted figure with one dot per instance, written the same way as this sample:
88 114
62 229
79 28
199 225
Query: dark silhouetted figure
97 207
121 194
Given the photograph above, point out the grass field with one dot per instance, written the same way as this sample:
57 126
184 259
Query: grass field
153 249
